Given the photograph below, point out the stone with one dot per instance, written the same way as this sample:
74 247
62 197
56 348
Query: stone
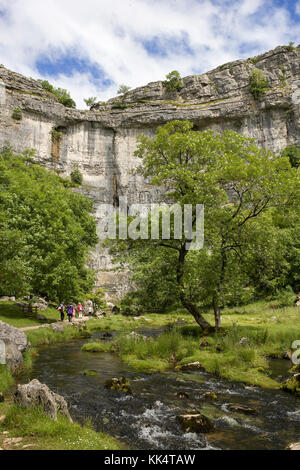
15 344
41 318
11 441
122 384
182 395
90 373
209 396
37 394
192 367
197 423
57 327
294 446
4 299
2 418
242 409
243 341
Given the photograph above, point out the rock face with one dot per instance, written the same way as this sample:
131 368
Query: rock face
37 394
15 344
102 141
196 423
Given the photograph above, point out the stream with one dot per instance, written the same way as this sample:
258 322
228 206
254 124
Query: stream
147 420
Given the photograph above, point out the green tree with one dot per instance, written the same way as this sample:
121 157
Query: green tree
123 89
61 94
90 101
243 188
174 81
47 232
258 83
293 153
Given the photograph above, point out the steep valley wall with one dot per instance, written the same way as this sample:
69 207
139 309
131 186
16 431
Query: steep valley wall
102 141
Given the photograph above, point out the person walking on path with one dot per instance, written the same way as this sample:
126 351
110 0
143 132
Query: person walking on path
61 309
79 310
70 312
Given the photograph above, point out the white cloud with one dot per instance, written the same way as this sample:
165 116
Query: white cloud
110 33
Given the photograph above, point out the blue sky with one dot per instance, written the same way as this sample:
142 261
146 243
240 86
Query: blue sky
92 47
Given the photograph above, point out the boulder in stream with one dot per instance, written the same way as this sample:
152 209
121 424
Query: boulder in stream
37 394
292 385
122 384
243 409
294 446
209 396
197 423
192 366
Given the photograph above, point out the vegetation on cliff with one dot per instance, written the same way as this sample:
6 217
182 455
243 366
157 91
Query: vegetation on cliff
46 233
61 94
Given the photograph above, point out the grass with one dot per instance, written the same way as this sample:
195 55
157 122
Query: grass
42 433
270 331
6 379
46 336
10 313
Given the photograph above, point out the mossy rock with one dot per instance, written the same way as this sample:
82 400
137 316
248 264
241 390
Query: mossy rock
197 423
121 384
90 373
292 385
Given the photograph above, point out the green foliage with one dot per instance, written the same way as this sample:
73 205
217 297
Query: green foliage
249 197
98 299
6 379
94 347
123 89
61 94
258 83
76 175
90 101
292 152
17 114
46 232
119 105
291 46
174 81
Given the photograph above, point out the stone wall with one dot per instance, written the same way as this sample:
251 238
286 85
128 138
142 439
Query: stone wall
102 141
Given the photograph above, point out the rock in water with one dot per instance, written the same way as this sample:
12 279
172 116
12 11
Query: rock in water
193 366
196 423
122 384
295 446
37 394
15 344
243 409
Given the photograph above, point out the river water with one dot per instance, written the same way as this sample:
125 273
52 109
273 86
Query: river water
147 420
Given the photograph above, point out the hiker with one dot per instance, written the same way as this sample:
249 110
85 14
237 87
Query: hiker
79 310
70 312
61 309
91 311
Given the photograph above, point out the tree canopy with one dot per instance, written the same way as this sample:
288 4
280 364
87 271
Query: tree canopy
248 195
46 232
61 94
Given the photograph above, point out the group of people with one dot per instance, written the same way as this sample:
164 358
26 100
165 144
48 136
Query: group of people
71 311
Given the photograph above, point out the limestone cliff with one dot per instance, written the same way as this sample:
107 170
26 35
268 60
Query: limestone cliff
102 141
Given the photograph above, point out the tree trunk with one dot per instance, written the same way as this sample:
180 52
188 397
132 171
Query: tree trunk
217 312
193 310
186 303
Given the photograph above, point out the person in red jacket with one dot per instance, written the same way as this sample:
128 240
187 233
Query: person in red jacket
79 310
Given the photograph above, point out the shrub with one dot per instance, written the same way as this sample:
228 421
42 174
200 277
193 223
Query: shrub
17 114
61 94
174 81
76 175
293 153
123 89
258 83
90 101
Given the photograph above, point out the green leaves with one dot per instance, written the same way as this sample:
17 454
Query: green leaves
46 232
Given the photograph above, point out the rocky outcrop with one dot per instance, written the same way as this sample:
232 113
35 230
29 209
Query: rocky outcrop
192 367
37 394
197 423
102 141
122 384
15 342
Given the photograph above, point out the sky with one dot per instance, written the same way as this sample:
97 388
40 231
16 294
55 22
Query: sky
90 47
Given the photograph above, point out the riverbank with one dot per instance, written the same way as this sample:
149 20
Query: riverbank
239 352
31 429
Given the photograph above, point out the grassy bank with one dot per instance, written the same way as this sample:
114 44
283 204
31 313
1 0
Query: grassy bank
13 315
269 332
38 432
